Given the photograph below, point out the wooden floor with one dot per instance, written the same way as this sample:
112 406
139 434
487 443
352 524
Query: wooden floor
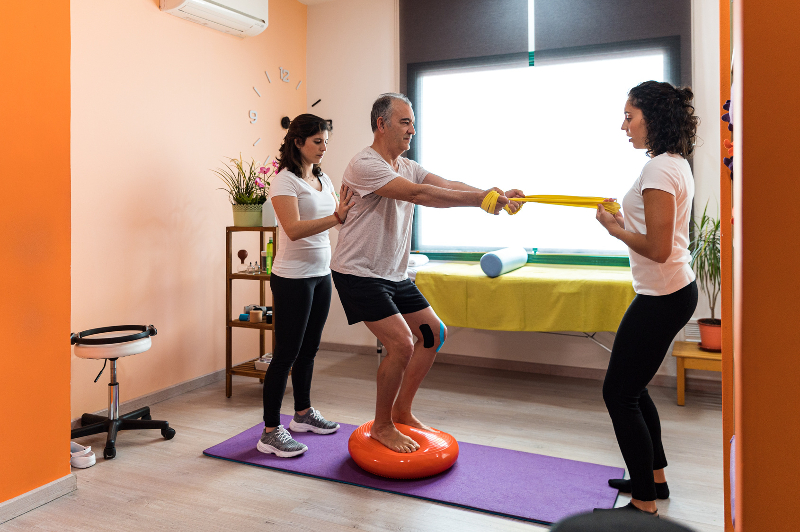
155 484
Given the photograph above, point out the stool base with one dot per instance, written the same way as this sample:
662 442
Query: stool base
136 420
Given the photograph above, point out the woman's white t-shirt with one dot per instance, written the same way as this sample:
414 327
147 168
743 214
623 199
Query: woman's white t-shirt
671 173
310 256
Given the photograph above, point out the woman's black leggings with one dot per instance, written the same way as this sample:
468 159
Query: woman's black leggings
643 338
301 309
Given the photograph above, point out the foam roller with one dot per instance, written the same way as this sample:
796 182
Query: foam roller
504 260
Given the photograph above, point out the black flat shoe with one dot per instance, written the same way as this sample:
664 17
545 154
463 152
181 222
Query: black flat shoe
624 486
627 508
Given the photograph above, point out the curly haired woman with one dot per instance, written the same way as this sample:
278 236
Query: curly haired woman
659 118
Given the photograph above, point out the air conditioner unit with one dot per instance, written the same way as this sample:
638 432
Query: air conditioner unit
242 18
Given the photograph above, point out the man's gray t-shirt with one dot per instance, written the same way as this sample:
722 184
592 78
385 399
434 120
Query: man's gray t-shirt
375 240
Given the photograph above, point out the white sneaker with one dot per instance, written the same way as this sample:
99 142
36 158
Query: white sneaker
312 421
80 456
280 443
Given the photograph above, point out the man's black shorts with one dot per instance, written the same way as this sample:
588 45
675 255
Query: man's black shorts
373 299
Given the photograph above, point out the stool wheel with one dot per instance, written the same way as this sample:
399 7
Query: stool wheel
168 433
109 453
147 417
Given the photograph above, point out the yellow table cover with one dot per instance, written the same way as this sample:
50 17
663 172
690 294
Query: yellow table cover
533 298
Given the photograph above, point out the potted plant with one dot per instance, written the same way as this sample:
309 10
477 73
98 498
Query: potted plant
706 265
247 185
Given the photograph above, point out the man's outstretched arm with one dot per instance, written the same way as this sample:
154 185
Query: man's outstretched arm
433 196
438 181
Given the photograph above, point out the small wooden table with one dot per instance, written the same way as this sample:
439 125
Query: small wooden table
690 356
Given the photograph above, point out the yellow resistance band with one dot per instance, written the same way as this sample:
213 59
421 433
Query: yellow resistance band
490 202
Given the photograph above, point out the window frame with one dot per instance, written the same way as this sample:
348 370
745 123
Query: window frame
671 46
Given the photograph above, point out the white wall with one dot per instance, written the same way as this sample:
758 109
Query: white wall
352 57
705 78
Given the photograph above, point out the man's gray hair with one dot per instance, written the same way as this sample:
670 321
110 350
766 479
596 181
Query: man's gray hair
383 108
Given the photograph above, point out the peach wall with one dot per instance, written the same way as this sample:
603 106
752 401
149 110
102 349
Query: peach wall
157 103
34 245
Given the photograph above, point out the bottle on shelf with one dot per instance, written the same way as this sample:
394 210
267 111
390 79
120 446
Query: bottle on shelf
268 259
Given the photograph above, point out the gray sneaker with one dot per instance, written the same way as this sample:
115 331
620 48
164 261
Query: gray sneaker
280 443
312 421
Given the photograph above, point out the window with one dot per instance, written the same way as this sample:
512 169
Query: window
549 129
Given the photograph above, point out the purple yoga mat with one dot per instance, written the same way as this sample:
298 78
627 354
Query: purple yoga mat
522 485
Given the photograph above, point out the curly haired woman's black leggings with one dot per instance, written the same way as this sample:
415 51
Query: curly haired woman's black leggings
643 338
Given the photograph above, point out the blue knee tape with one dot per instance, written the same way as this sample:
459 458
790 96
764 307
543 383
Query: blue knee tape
441 335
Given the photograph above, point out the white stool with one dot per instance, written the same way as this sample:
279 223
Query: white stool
110 347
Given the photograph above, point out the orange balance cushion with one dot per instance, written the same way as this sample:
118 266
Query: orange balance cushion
438 452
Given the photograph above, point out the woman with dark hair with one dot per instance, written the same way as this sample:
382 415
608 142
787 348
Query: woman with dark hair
306 206
659 118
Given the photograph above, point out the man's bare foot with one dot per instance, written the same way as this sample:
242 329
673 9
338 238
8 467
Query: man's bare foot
392 438
407 418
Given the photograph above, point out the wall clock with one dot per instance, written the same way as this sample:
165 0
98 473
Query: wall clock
283 76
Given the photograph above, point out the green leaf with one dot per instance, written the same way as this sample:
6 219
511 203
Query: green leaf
705 256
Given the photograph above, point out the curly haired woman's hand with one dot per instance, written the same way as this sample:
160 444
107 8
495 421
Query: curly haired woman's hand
611 222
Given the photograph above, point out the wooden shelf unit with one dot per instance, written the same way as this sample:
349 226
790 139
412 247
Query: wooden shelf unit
246 369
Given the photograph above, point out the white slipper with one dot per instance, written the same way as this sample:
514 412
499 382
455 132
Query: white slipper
80 456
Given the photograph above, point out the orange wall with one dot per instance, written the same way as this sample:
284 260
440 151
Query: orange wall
766 289
157 102
34 245
726 257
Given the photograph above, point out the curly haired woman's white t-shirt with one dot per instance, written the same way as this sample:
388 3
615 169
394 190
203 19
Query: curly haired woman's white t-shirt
310 256
670 173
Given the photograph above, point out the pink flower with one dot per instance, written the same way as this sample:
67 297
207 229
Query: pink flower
263 170
274 163
259 183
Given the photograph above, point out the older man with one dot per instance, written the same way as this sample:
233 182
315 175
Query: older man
371 258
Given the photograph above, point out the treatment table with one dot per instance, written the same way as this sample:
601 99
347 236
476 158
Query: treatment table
536 297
